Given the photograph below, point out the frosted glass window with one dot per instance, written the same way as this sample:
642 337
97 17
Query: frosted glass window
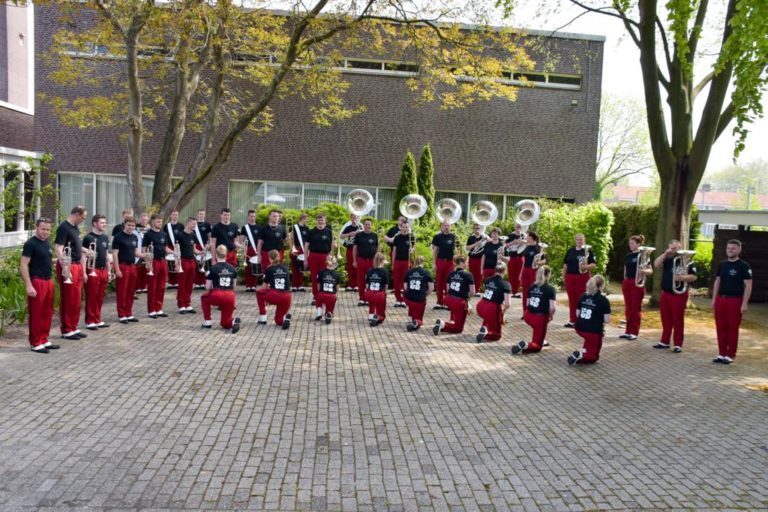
243 196
316 194
384 204
76 189
284 195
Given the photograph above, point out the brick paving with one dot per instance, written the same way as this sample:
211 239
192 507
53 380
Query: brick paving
165 415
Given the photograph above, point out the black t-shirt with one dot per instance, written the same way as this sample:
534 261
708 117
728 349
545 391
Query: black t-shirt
446 244
320 240
67 234
186 243
529 253
327 281
376 279
299 242
225 234
40 258
459 282
367 244
402 247
473 240
102 246
205 232
126 247
392 232
222 275
176 228
417 284
511 238
273 238
495 289
255 230
277 277
118 228
159 240
732 275
592 309
491 253
667 283
351 228
539 297
571 259
630 264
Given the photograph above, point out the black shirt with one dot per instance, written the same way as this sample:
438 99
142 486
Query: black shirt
299 242
392 232
255 230
320 240
40 258
118 228
491 253
459 282
205 232
186 243
592 309
446 244
732 275
417 284
351 228
66 233
473 240
367 244
511 238
571 259
327 281
667 284
539 297
102 245
176 228
529 253
277 277
630 264
158 239
225 234
274 238
495 289
376 279
222 275
126 247
402 247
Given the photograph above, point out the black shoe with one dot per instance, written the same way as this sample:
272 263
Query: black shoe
153 316
40 350
123 320
236 325
133 319
519 347
286 321
718 359
262 322
81 335
569 325
677 350
94 327
182 311
437 327
162 315
191 312
314 302
624 336
103 325
437 306
574 357
71 337
374 321
361 303
318 317
545 343
328 318
205 326
481 335
661 345
52 346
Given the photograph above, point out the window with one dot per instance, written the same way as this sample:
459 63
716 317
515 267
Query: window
17 69
77 189
385 208
530 77
244 196
316 194
284 195
574 80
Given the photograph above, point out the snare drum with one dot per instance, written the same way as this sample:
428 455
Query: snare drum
254 264
170 259
300 262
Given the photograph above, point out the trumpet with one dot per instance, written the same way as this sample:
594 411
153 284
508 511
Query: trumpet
202 259
66 264
643 263
177 259
541 257
584 260
90 262
149 257
680 268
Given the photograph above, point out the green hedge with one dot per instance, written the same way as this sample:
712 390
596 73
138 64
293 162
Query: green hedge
13 292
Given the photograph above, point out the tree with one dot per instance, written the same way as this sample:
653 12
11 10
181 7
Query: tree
178 66
407 184
623 148
426 181
750 180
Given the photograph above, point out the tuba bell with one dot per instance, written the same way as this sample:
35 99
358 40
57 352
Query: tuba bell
360 202
643 263
483 213
527 212
412 207
448 210
680 268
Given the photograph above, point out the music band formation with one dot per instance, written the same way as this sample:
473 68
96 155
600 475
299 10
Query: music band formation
151 255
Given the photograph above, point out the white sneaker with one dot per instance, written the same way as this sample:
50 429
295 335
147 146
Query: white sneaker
727 360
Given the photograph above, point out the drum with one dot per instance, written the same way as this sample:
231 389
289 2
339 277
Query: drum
170 259
300 266
254 264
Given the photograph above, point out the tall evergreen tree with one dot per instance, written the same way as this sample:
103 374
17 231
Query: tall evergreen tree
407 184
426 181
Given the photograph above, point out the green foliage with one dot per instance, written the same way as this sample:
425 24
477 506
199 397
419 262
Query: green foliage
703 262
13 292
15 175
426 182
408 183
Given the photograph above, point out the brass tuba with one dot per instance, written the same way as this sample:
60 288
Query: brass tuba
680 268
412 207
360 202
483 213
643 263
449 210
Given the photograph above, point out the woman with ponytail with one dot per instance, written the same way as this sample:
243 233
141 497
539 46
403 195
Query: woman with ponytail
592 313
538 312
376 290
633 294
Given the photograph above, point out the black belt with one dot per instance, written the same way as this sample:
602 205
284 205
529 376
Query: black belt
41 277
730 296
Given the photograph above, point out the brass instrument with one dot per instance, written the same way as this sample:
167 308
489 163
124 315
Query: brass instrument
360 202
66 264
541 257
110 260
449 210
203 259
90 261
680 268
177 259
527 212
149 257
643 263
289 232
412 207
584 260
483 213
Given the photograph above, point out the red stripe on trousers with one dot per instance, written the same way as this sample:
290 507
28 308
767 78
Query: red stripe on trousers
672 308
575 286
281 300
633 305
727 322
70 297
40 311
156 286
538 323
126 287
490 312
224 299
95 289
443 268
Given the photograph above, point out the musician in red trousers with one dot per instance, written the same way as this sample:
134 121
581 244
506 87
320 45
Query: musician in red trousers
376 280
125 250
328 286
317 247
220 291
202 232
578 264
272 238
157 238
674 296
366 247
275 290
592 314
225 233
515 240
347 237
633 294
730 299
459 289
443 248
475 245
36 263
418 285
402 248
539 311
299 234
186 278
530 263
98 276
249 234
495 301
70 286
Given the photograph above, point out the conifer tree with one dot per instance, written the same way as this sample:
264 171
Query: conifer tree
426 182
407 184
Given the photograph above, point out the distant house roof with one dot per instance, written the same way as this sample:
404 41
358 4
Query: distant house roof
712 200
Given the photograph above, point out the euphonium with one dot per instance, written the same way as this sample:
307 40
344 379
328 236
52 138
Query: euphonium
680 268
541 257
643 263
483 213
584 260
66 264
90 261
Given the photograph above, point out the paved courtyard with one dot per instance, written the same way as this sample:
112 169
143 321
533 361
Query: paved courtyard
165 415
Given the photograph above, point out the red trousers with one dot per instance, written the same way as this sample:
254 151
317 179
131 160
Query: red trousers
297 276
727 322
399 269
40 310
593 342
126 287
141 277
442 269
95 289
672 308
377 303
633 305
476 269
328 300
156 286
416 310
458 308
317 261
199 276
232 258
352 280
265 259
186 282
172 276
224 299
281 300
70 297
249 279
527 278
490 312
488 272
363 266
538 323
514 267
575 286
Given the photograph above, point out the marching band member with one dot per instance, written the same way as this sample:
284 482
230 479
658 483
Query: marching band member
220 291
186 278
633 294
172 229
298 259
402 247
418 284
202 232
495 302
70 294
225 233
392 232
528 274
249 233
576 274
348 233
272 238
376 280
328 284
96 286
593 312
476 260
275 290
730 299
515 264
491 256
672 305
317 247
158 239
366 247
128 212
539 311
35 269
460 287
125 250
443 247
141 274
